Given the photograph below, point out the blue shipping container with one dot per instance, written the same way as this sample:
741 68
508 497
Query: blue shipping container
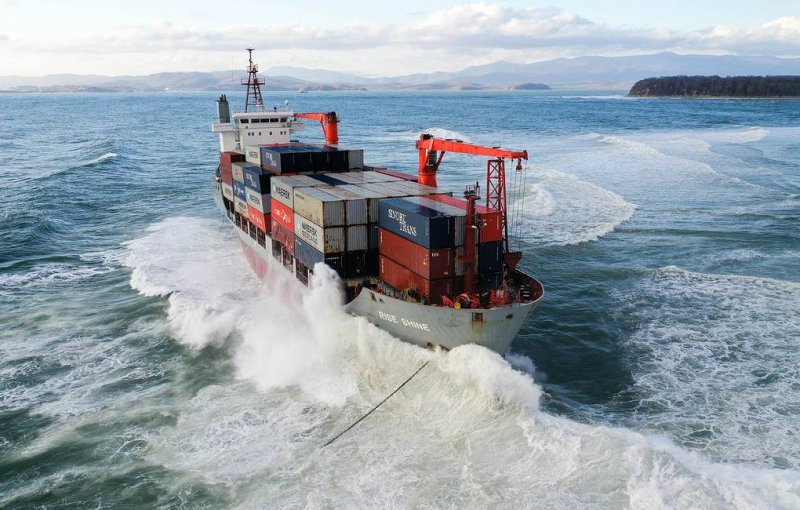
238 191
419 224
309 256
490 257
327 179
257 178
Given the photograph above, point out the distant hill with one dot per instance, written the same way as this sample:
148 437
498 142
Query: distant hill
715 86
577 73
529 86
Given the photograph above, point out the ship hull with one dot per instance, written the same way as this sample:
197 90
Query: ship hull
424 325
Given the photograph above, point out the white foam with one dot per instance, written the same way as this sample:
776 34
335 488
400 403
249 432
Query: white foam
466 432
717 363
561 209
102 157
51 274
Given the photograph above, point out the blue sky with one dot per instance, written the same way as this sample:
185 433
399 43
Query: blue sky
145 36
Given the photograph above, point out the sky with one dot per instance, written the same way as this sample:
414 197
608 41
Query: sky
372 38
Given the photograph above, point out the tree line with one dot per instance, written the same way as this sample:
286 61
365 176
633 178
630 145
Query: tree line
716 86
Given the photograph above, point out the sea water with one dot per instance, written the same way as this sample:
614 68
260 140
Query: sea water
142 364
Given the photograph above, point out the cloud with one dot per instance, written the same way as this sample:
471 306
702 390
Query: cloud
458 36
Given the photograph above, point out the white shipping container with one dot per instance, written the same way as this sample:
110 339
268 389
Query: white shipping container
259 201
252 154
355 206
227 191
357 237
379 177
319 207
282 188
325 240
240 206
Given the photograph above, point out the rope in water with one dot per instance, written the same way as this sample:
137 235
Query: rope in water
340 434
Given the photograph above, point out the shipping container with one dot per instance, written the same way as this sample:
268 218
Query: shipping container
238 171
257 178
227 191
308 256
490 257
459 216
402 280
374 233
239 191
277 248
386 191
490 281
301 158
431 264
357 237
226 175
394 173
416 189
252 154
259 219
240 206
282 214
325 240
327 180
319 207
360 264
371 196
425 226
226 159
490 221
261 202
283 187
355 159
283 235
355 206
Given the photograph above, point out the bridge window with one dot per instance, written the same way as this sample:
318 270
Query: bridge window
244 121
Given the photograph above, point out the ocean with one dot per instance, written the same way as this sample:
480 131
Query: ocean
143 366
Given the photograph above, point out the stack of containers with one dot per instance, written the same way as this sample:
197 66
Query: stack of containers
239 194
298 158
257 190
319 228
282 210
489 252
226 160
358 261
416 248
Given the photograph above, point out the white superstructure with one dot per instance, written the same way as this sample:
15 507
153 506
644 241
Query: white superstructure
256 128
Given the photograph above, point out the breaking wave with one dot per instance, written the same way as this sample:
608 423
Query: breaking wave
709 378
561 209
467 432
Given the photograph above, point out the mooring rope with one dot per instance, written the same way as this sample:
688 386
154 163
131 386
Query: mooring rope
340 434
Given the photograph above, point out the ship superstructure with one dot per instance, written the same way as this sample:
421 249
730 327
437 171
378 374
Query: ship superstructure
428 267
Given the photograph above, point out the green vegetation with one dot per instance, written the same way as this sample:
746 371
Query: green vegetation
715 86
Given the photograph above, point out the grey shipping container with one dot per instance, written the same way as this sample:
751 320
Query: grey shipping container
325 240
355 204
260 201
309 256
372 197
319 207
282 188
357 237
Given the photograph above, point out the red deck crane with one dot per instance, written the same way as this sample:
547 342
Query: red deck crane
329 122
431 152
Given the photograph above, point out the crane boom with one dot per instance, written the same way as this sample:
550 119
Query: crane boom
329 122
431 152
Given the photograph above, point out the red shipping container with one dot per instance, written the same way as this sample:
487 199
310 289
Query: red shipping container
395 173
283 214
492 219
227 158
259 219
430 264
226 175
402 279
284 236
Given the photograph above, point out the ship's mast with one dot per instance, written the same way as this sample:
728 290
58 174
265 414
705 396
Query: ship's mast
253 86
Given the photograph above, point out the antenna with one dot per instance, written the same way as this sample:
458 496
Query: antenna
253 83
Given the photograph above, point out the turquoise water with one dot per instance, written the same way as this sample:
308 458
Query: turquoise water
142 366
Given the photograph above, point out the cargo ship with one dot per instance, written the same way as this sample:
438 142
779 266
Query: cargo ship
428 267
